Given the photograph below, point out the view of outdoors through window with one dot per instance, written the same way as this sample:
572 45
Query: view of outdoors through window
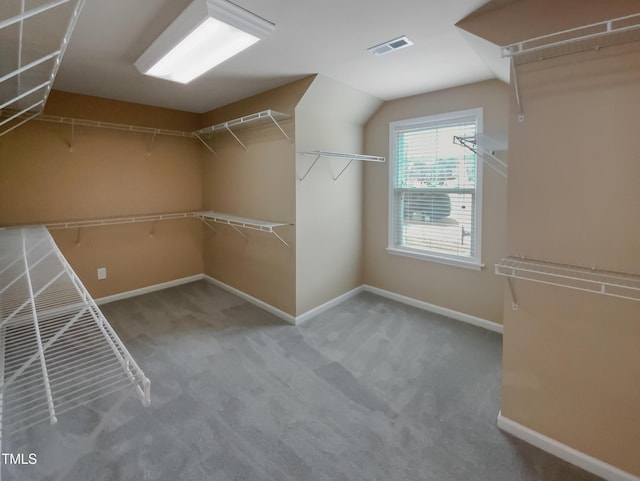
435 189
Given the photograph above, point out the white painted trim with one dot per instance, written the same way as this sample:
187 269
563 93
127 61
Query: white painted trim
328 305
429 257
459 316
148 289
562 451
253 300
435 120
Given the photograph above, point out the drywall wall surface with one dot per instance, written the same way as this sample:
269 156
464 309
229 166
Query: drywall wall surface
257 183
282 99
329 117
66 104
108 174
331 99
571 367
477 293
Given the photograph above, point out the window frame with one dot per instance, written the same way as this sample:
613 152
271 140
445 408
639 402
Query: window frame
474 262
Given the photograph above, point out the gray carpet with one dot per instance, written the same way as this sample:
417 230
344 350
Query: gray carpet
369 390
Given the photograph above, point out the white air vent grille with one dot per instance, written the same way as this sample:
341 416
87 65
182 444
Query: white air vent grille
391 45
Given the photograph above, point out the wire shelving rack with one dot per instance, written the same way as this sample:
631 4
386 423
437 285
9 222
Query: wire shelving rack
266 117
57 350
594 36
340 155
598 281
237 223
32 57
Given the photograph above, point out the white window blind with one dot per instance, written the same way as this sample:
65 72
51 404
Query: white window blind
435 199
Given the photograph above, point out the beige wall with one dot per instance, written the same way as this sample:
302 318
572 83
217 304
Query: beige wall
571 360
477 293
329 117
109 173
257 183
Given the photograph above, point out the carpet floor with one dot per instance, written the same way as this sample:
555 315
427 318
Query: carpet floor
369 390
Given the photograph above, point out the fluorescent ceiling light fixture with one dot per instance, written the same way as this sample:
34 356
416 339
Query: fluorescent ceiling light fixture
390 46
204 35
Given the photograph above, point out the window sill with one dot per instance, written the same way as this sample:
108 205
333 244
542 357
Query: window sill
466 264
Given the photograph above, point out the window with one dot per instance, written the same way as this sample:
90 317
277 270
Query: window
435 200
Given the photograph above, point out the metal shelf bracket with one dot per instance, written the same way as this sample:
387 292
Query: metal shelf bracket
244 122
341 155
204 142
486 153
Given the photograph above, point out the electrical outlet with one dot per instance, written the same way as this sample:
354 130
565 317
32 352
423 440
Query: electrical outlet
102 273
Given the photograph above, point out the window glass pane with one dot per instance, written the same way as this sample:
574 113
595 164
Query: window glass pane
435 221
435 188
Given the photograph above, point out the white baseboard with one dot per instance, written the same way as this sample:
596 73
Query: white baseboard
253 300
328 305
148 289
562 451
459 316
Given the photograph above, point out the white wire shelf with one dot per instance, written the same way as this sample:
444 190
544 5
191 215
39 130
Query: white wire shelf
486 147
58 351
340 155
597 281
237 223
594 36
254 120
75 224
113 126
588 37
31 59
73 122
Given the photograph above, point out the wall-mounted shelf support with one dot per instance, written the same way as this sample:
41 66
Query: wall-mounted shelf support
486 146
237 223
301 179
72 137
514 299
341 155
275 122
236 137
594 280
205 222
252 120
239 232
335 179
204 142
516 87
153 137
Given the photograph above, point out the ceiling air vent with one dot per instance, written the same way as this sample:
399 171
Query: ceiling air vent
390 46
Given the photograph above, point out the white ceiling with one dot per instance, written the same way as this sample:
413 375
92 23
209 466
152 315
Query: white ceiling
329 37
